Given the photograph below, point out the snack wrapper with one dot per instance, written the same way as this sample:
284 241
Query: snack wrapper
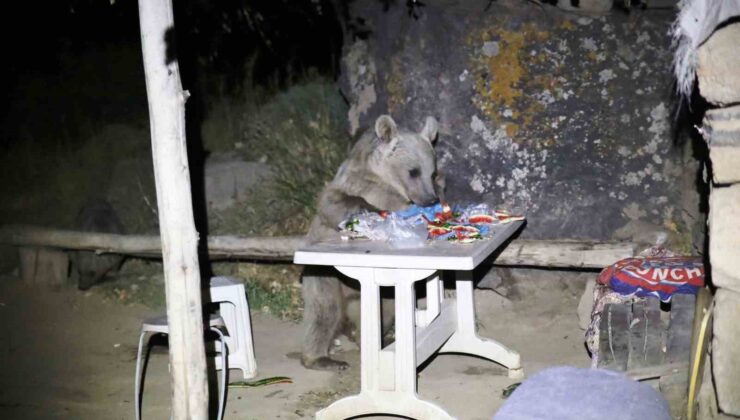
403 229
661 277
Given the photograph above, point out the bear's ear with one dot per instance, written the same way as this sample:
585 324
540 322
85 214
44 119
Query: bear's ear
431 127
386 128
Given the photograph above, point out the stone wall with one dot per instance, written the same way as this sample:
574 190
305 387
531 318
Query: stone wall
564 117
719 83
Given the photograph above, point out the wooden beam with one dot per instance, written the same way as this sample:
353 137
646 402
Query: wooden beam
175 208
520 252
565 253
279 248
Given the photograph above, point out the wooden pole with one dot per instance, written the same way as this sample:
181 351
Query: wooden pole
175 207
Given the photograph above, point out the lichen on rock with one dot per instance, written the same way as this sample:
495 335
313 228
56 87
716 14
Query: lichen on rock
359 66
564 117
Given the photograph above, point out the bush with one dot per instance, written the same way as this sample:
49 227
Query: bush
301 134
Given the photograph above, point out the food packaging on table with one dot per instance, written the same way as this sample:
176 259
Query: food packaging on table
411 227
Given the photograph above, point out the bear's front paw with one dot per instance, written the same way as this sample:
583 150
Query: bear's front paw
324 363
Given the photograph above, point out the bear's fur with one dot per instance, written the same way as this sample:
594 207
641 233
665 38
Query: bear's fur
387 169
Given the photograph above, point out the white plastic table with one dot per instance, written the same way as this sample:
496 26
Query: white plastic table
388 382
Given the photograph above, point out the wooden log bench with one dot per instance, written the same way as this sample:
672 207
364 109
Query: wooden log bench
43 250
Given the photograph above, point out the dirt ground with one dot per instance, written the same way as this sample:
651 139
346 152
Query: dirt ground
71 354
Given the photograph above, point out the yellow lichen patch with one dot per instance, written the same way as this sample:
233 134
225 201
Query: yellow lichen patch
534 35
681 240
546 143
568 25
499 81
503 82
544 81
671 225
533 110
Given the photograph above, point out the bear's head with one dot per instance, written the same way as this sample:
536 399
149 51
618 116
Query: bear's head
406 160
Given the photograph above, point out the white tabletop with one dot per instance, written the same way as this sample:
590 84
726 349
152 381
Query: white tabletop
437 255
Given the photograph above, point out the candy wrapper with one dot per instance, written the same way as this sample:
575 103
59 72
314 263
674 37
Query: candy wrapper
403 229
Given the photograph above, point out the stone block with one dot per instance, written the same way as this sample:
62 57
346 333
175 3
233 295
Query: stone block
722 128
8 258
724 236
43 266
706 399
725 164
726 351
717 70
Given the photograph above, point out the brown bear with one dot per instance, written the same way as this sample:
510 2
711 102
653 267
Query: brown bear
387 169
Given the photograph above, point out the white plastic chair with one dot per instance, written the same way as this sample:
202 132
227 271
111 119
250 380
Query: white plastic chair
231 296
159 325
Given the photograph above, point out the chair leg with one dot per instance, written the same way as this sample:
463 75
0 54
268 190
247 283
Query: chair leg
224 373
248 342
137 381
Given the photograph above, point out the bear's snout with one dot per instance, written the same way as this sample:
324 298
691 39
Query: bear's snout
427 201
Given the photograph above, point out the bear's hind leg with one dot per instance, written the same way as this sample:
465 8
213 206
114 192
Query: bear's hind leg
322 318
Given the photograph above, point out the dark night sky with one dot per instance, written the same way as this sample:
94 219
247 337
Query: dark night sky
58 46
36 32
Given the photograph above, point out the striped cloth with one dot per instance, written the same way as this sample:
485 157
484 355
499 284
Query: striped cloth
659 277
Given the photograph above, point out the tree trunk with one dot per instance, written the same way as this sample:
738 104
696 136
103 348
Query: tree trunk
174 201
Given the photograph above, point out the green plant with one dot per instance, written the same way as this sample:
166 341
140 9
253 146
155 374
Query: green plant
272 288
279 300
301 134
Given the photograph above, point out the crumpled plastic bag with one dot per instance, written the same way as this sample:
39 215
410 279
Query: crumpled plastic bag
404 233
398 231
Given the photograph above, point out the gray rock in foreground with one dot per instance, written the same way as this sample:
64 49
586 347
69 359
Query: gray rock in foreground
228 180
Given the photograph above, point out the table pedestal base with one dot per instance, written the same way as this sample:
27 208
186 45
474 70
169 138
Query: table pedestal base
383 402
465 340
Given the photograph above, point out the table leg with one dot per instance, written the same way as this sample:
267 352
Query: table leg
392 403
371 334
405 351
380 394
466 340
435 297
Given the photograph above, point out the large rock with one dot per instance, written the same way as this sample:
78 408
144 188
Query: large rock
565 117
132 193
724 236
719 64
726 351
228 180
